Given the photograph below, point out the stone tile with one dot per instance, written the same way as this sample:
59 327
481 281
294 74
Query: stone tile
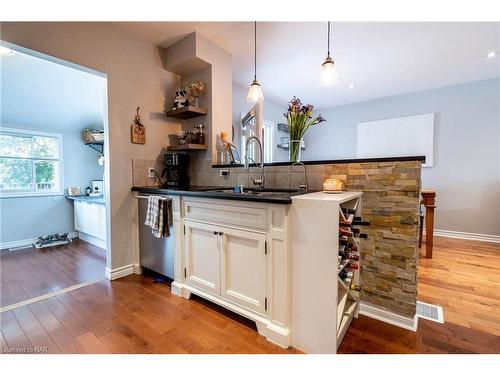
283 180
242 179
270 180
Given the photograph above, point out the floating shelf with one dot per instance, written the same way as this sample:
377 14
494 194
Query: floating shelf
187 112
286 147
283 127
98 146
187 147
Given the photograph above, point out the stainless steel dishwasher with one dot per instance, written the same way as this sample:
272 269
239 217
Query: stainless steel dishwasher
156 254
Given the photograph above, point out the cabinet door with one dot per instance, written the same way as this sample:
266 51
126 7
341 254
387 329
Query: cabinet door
102 222
87 218
243 268
202 256
78 210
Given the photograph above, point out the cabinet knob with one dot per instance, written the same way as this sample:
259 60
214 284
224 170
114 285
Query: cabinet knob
220 233
216 233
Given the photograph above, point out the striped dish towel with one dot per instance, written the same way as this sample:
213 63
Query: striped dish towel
159 215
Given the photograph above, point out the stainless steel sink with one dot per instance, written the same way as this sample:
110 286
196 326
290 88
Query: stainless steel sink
255 192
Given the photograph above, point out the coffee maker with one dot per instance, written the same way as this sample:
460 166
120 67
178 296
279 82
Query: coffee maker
176 171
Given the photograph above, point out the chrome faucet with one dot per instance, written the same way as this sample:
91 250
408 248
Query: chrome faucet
258 182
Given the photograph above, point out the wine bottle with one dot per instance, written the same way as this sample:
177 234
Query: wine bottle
359 221
361 235
349 246
348 211
354 266
345 232
345 223
356 288
344 274
352 256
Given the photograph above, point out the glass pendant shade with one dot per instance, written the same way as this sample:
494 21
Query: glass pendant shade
255 93
328 74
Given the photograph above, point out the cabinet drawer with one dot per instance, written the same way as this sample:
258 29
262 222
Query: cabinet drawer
237 214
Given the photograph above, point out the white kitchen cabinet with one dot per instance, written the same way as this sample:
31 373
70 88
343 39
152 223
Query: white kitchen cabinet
90 222
202 250
227 262
243 268
235 254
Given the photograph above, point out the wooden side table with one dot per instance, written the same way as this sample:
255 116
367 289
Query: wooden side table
429 201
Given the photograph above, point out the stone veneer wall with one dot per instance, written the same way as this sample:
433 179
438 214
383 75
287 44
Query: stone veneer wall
390 202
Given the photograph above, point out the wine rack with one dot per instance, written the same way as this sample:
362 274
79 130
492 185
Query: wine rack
325 288
349 264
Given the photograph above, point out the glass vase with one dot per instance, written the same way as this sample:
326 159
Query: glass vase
295 151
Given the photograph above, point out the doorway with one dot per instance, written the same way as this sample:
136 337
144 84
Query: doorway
54 190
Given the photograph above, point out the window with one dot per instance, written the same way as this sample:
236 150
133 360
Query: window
30 163
266 136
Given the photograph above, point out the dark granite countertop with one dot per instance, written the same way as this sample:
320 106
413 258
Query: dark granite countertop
88 199
336 161
279 196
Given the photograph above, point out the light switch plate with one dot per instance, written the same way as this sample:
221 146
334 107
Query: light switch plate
151 172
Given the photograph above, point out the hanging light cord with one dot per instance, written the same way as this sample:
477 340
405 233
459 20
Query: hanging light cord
328 54
255 50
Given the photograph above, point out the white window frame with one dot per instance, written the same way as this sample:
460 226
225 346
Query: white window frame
268 140
33 193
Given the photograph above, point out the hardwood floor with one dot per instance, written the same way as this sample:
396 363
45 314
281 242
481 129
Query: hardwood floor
130 315
29 273
463 277
135 315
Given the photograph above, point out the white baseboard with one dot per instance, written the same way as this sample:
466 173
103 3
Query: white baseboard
93 240
466 236
386 316
116 273
137 269
20 244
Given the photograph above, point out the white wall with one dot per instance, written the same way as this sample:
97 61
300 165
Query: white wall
136 77
466 172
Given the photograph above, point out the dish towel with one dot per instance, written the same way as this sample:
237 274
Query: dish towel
159 216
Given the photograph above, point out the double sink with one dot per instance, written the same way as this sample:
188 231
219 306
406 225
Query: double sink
255 192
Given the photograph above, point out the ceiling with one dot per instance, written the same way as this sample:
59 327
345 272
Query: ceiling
380 58
41 94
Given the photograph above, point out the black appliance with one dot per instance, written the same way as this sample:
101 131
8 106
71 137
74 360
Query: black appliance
176 171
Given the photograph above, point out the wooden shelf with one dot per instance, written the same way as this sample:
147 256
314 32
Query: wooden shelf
187 147
286 147
187 112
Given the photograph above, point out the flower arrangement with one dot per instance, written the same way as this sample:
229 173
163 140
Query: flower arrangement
195 90
299 119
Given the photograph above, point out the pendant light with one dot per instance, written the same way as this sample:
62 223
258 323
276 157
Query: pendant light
329 75
255 93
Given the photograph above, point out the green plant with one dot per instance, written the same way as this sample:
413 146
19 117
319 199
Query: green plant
299 119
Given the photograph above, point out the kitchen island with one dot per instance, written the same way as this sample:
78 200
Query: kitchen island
389 255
